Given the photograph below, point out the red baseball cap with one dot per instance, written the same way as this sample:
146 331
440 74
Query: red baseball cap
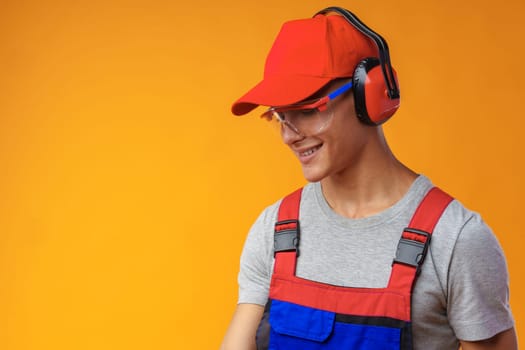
306 55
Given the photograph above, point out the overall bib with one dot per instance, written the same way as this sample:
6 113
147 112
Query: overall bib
307 315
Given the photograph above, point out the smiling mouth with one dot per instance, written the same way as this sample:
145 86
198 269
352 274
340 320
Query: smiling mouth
309 151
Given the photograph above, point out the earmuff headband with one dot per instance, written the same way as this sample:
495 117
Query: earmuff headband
384 56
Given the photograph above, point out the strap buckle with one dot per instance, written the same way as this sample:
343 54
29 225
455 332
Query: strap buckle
412 252
286 237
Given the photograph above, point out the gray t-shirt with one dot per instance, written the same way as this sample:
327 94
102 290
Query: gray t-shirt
461 293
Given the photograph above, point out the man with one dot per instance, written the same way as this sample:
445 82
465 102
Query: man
347 262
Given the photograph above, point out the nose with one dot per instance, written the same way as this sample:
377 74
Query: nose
289 135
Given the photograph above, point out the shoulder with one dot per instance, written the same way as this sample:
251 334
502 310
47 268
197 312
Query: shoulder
269 215
476 275
461 237
259 241
464 278
464 231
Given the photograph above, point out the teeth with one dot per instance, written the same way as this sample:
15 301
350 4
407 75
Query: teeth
310 151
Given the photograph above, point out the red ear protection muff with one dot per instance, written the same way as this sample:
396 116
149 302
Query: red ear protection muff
376 91
373 105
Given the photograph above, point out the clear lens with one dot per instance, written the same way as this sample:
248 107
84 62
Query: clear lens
305 122
273 121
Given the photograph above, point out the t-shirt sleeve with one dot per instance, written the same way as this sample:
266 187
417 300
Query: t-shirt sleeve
478 284
256 260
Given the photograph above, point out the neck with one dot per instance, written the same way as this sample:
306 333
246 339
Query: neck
376 182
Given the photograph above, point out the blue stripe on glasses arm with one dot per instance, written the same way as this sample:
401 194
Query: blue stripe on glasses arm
342 89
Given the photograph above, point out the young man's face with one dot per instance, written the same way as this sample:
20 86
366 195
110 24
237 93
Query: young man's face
337 149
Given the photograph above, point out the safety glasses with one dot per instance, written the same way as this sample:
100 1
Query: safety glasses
306 118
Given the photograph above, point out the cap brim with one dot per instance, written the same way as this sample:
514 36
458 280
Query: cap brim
279 91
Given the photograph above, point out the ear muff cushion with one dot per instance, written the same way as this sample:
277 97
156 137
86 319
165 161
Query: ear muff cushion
372 103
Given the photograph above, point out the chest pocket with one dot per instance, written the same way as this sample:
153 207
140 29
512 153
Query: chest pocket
299 327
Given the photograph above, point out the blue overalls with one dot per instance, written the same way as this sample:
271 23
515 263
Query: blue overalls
307 315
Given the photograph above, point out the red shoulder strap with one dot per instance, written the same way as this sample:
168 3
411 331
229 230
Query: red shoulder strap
415 240
286 234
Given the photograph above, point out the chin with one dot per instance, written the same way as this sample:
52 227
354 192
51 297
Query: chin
313 175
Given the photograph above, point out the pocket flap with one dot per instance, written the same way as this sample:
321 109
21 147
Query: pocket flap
300 321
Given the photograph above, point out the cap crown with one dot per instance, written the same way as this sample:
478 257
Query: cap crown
323 46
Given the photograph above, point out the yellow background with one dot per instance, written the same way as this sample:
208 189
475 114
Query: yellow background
127 188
